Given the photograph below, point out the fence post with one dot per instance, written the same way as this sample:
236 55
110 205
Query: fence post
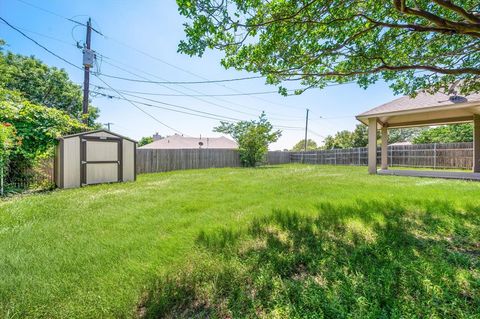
391 155
434 155
359 157
335 155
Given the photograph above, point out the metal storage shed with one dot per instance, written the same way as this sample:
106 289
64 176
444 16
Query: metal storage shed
94 157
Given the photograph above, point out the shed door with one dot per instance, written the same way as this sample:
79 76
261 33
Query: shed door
101 160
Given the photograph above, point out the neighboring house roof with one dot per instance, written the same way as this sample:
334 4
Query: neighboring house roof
400 144
181 142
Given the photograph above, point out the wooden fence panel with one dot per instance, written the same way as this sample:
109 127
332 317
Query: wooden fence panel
437 156
278 157
157 160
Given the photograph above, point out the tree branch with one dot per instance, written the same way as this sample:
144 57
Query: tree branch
450 5
460 27
384 67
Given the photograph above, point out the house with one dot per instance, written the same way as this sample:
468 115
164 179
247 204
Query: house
182 142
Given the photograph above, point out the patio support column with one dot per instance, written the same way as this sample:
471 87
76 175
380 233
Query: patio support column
476 143
384 147
372 145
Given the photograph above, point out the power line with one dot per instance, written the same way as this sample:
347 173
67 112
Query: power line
220 117
120 94
139 108
198 95
70 63
46 36
191 73
164 108
56 14
289 127
317 134
206 80
179 82
213 117
179 91
40 45
193 90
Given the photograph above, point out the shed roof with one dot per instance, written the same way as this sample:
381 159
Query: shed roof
97 131
425 109
181 142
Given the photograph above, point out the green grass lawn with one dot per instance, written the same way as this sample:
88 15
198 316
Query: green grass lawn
286 241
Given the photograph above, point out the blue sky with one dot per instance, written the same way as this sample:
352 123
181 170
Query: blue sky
151 31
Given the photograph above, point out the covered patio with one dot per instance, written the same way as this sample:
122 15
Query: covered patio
423 110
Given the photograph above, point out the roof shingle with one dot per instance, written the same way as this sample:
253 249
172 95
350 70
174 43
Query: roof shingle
422 100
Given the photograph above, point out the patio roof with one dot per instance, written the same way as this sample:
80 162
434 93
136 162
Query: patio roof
424 109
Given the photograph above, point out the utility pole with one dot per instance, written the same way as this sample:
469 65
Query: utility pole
88 57
306 131
108 125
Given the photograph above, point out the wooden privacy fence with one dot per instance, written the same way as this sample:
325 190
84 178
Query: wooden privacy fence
162 160
437 156
441 156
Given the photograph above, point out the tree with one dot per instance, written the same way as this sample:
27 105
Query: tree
422 44
43 85
360 136
454 133
300 146
145 140
253 138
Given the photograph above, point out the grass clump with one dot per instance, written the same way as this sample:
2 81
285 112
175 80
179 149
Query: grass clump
372 259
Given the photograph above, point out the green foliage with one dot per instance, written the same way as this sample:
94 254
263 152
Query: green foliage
403 134
42 85
347 139
37 126
351 245
359 137
446 134
7 143
145 140
300 146
342 139
253 138
318 42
